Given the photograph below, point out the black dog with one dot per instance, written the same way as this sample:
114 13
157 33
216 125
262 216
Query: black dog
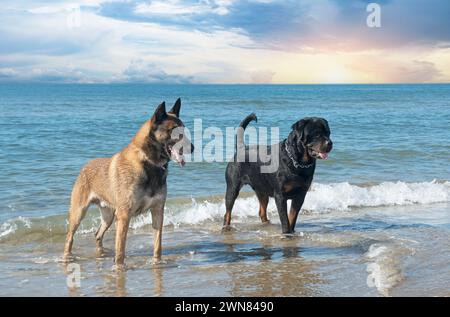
308 141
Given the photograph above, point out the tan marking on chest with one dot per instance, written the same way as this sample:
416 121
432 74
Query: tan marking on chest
289 186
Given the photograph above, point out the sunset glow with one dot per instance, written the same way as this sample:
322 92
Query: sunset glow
258 41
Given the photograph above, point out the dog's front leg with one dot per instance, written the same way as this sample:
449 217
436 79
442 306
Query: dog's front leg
157 224
123 221
281 203
296 205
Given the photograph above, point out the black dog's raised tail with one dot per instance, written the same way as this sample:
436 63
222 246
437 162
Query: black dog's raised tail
240 132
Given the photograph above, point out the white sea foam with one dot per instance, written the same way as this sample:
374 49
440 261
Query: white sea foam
11 226
384 266
322 198
7 228
343 196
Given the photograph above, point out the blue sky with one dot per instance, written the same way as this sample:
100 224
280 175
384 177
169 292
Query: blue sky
223 41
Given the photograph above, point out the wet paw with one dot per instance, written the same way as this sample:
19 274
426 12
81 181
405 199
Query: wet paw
119 267
159 264
228 228
103 252
66 258
99 252
289 235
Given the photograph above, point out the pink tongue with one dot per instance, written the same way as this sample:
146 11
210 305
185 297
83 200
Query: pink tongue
323 156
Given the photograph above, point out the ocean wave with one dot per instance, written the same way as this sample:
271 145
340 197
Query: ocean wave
344 196
322 198
384 266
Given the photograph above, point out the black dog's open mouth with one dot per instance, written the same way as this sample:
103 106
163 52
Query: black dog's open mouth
317 154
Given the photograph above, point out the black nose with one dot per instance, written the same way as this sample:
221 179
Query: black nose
329 145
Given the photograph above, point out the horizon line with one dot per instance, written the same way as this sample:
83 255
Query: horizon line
217 84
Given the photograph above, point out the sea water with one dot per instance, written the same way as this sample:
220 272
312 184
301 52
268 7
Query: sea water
375 222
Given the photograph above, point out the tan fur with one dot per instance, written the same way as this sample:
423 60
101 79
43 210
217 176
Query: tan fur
263 202
115 184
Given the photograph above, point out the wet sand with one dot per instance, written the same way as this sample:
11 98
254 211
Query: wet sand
358 253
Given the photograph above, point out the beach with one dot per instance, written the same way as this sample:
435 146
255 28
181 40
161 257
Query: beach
376 221
396 251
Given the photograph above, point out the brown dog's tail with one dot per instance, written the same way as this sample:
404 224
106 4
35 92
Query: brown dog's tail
240 131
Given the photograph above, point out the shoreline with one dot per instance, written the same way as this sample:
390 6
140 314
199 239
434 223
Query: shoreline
334 254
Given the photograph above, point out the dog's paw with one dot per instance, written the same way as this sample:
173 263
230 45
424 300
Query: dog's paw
159 264
99 252
228 228
289 235
158 261
119 267
66 258
103 252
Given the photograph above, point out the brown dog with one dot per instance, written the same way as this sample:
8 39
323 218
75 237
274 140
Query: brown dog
130 182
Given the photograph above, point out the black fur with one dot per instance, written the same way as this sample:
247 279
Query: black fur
308 139
160 112
154 178
176 108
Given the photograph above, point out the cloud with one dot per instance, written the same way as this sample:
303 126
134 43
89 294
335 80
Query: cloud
177 7
324 25
416 72
65 75
7 73
223 41
340 25
137 72
392 70
282 24
141 72
262 76
102 48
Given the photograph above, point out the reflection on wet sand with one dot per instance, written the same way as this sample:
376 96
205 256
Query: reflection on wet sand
289 275
271 267
238 265
250 261
73 285
158 287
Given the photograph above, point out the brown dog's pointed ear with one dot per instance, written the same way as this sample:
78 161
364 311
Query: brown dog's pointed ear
160 112
176 108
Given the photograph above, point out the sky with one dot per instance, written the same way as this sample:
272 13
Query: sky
224 41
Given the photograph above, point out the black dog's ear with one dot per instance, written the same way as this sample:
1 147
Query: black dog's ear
176 108
299 126
160 112
327 127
